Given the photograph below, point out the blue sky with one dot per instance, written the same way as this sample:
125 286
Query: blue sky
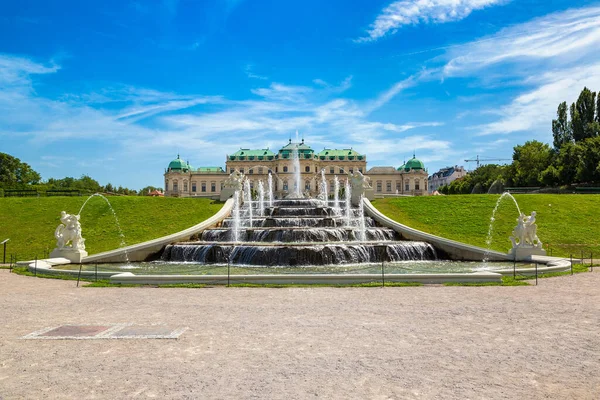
115 89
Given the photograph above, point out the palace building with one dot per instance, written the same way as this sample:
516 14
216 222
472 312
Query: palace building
183 180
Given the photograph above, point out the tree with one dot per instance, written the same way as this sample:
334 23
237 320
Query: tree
529 160
148 189
583 114
588 168
561 129
15 174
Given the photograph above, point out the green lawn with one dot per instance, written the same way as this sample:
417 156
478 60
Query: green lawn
568 223
30 222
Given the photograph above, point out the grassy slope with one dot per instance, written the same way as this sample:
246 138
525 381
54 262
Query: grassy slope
30 222
563 220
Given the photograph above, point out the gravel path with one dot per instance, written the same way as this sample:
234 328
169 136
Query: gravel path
243 343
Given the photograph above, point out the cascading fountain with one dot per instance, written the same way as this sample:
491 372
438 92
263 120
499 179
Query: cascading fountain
298 232
270 190
248 201
261 199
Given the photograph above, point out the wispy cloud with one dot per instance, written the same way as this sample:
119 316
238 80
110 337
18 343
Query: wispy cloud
558 39
249 71
548 60
412 12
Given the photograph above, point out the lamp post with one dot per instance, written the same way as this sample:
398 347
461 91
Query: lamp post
4 258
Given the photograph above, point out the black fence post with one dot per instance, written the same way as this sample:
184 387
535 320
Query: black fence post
79 275
571 264
96 272
515 266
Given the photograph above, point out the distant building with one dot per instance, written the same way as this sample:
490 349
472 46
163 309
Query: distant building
183 180
445 176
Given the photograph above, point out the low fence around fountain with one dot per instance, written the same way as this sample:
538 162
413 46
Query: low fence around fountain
141 251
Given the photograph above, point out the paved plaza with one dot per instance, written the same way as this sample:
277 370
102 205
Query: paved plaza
429 342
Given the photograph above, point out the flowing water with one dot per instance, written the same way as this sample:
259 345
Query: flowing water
122 242
248 202
298 232
270 190
490 234
261 199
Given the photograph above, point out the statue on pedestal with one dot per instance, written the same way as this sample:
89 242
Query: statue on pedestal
524 237
69 243
68 233
360 186
231 185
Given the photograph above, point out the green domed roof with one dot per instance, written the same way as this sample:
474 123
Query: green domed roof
413 164
178 164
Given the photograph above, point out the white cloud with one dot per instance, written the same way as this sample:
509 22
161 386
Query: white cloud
412 12
534 110
557 39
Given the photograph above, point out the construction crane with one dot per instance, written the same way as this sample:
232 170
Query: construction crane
479 160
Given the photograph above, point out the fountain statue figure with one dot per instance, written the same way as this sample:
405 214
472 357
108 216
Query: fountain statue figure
524 237
69 242
360 186
232 184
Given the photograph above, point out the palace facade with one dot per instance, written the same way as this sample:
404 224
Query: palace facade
183 180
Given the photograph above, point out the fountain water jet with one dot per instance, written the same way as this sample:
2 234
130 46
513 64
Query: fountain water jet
270 190
236 217
347 199
248 200
323 191
261 199
336 196
362 235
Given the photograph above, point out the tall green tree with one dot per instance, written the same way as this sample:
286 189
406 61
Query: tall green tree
15 174
584 118
561 129
529 161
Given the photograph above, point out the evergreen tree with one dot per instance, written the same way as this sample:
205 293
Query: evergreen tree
583 119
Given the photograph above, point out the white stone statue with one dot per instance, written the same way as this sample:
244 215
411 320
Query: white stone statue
68 233
525 233
234 181
524 237
360 186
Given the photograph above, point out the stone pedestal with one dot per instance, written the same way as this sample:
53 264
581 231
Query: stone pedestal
74 255
226 193
523 252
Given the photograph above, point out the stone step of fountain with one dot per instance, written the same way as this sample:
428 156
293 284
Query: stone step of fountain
298 254
299 234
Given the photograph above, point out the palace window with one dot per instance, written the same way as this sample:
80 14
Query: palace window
231 170
285 169
398 186
379 186
203 187
213 187
250 171
388 186
185 186
407 186
194 187
341 170
307 169
241 170
331 186
331 170
276 169
260 170
166 184
351 170
417 183
175 186
307 185
360 170
285 185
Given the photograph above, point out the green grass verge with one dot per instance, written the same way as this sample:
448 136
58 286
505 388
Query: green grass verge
568 223
30 222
